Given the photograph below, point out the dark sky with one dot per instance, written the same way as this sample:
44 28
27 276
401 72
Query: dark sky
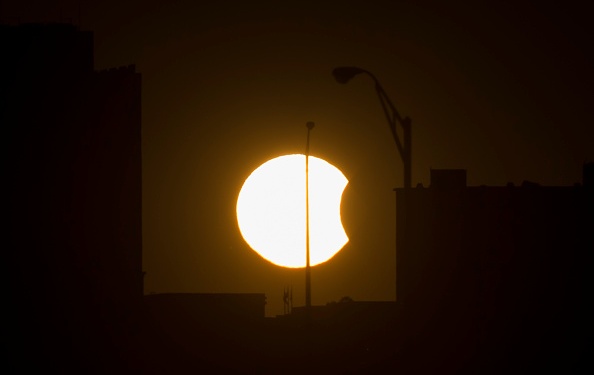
502 90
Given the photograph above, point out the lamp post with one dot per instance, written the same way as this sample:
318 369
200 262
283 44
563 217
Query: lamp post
310 125
343 75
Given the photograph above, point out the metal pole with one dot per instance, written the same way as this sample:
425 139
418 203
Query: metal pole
407 159
310 126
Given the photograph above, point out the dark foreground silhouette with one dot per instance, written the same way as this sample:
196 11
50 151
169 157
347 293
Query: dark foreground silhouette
490 279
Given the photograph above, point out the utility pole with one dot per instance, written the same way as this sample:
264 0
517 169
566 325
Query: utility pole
310 125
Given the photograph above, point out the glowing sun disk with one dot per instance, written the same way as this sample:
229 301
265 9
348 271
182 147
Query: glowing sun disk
271 210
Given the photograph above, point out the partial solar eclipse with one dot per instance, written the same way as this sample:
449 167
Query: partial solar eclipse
271 210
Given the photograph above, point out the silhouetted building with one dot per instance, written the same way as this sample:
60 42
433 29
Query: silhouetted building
73 170
355 312
207 307
216 331
495 271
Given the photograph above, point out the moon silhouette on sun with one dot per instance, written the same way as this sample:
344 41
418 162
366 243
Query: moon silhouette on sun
271 210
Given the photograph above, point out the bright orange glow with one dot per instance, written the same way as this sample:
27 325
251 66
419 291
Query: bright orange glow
271 210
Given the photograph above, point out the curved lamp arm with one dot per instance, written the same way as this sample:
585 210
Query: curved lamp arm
345 74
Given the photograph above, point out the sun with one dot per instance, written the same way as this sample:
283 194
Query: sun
271 210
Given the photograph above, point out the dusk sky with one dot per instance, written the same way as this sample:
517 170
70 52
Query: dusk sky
502 90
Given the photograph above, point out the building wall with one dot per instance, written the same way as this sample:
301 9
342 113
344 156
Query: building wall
492 267
73 171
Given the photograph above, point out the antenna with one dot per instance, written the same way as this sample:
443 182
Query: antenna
285 300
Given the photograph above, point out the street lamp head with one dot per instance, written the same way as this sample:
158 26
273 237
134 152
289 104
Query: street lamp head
310 125
344 74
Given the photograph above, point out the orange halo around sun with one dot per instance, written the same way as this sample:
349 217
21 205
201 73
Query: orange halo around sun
271 210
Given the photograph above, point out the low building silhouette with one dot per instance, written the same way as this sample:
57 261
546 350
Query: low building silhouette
354 311
207 307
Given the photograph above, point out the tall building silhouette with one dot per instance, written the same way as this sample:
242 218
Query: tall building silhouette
497 272
73 170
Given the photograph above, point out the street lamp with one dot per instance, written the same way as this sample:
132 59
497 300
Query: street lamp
344 74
